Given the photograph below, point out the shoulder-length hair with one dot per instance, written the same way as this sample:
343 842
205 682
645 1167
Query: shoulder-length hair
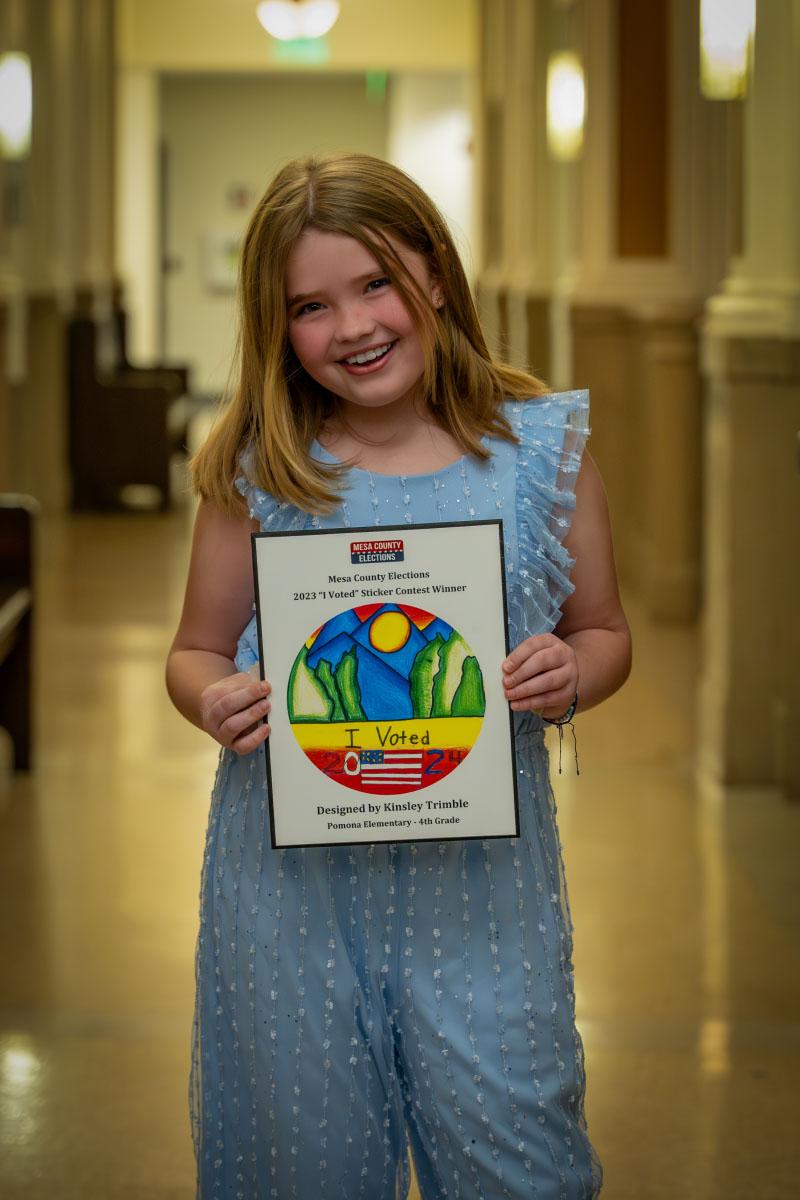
276 409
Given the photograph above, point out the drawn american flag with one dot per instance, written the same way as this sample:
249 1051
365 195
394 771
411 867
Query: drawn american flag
390 767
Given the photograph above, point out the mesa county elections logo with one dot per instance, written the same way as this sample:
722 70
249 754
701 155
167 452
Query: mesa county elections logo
386 698
388 550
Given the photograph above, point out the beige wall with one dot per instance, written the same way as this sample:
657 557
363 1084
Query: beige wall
430 137
229 132
224 35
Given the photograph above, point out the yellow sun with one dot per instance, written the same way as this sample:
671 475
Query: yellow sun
389 632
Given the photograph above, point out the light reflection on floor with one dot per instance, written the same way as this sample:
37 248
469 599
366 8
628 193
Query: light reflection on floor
686 908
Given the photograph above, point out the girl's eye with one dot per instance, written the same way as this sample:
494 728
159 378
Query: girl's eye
378 283
312 306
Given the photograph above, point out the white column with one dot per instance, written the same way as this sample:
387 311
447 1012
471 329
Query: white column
64 68
492 145
750 696
526 265
136 196
15 179
100 47
95 180
761 294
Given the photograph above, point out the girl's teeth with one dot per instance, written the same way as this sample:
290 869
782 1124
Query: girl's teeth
368 356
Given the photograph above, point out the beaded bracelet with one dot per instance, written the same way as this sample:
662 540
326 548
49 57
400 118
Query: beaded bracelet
559 722
568 715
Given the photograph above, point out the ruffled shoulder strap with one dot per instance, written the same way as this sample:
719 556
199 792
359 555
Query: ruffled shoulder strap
271 513
273 516
552 433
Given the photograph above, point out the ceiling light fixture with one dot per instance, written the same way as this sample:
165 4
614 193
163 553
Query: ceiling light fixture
727 32
16 106
289 20
566 106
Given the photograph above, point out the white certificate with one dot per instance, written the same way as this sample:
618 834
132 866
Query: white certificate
384 650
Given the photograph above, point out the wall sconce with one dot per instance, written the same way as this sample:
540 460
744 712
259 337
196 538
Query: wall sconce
16 106
290 20
727 33
566 106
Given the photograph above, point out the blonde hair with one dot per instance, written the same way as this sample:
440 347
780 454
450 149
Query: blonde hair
276 410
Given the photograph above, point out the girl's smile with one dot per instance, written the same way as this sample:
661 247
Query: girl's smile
348 325
369 360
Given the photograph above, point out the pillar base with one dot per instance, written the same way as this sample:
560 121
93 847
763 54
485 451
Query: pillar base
749 716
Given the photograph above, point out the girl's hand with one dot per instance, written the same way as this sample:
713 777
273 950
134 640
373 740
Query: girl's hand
541 676
231 708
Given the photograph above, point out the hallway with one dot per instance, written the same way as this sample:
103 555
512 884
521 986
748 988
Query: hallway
686 907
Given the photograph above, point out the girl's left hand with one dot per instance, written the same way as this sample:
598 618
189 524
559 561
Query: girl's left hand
541 675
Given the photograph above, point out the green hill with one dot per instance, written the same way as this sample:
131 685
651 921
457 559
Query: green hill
349 691
470 699
307 698
421 677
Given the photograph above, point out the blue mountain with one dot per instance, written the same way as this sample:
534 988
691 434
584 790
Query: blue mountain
399 660
439 626
345 622
385 695
332 649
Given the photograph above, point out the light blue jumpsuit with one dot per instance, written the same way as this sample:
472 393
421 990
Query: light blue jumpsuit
355 999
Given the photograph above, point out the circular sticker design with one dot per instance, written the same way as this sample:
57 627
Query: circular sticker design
386 698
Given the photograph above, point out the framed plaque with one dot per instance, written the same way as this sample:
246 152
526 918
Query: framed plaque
384 650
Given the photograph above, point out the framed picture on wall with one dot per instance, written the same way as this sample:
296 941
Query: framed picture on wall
220 260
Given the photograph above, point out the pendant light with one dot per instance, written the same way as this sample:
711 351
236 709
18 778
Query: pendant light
290 20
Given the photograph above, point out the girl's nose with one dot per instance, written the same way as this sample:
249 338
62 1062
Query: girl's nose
354 324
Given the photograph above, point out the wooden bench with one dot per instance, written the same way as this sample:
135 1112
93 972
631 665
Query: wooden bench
125 423
17 515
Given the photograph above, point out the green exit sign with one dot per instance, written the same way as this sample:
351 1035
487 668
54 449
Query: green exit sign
309 51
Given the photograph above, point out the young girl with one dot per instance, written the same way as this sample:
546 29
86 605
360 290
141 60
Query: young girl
354 1000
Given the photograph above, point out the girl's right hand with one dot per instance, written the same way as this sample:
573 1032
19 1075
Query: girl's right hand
231 708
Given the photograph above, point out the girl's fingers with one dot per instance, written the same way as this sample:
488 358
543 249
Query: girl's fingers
558 700
522 652
238 698
542 681
236 705
234 726
543 660
539 685
251 739
233 700
555 700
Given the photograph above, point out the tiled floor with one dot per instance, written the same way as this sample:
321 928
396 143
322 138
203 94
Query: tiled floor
686 906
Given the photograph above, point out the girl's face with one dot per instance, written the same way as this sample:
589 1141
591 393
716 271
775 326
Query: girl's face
348 325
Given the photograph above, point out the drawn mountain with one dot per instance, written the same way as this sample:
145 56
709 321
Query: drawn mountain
423 673
412 665
347 683
332 651
470 698
322 693
307 697
400 660
325 676
446 680
448 677
344 622
438 627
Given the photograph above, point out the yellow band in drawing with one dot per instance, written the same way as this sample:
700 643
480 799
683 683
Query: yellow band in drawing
441 733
